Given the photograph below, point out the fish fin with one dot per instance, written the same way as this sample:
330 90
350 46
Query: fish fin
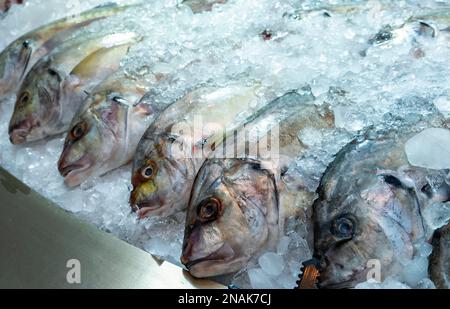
107 5
102 63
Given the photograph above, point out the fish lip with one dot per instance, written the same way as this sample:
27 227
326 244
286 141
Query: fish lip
144 211
220 255
77 167
341 284
18 137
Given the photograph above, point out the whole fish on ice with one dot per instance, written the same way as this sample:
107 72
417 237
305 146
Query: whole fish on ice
54 88
23 53
238 204
105 132
174 147
370 207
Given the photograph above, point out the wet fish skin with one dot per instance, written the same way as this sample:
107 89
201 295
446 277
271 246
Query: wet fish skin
43 107
174 147
23 53
250 189
430 24
439 268
369 207
106 130
229 226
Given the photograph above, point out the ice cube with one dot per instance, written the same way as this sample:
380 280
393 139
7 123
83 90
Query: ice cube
415 271
437 214
259 279
442 103
429 149
283 245
271 263
426 284
389 283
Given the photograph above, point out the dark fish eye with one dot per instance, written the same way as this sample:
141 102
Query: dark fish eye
52 72
78 131
172 139
119 100
24 98
149 171
427 190
26 44
393 181
209 209
343 227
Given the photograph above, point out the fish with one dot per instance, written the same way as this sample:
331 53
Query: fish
430 24
52 91
238 205
439 268
369 207
337 9
105 132
200 6
174 147
18 57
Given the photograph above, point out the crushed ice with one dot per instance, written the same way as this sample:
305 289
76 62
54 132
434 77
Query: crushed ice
265 41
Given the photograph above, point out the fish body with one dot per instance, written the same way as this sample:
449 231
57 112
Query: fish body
105 132
439 268
23 53
370 208
175 146
338 9
428 25
238 205
45 104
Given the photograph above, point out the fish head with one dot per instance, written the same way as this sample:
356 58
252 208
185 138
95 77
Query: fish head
92 142
365 214
14 61
161 175
232 217
37 110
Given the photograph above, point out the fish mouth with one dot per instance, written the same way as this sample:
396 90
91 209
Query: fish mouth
222 255
148 207
146 211
350 282
72 170
18 137
20 131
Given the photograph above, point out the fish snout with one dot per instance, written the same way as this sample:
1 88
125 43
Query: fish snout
144 201
73 171
18 137
18 132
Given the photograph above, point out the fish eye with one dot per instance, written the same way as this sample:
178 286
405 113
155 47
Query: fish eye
209 209
393 181
26 43
119 99
149 171
78 131
343 227
24 98
52 72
